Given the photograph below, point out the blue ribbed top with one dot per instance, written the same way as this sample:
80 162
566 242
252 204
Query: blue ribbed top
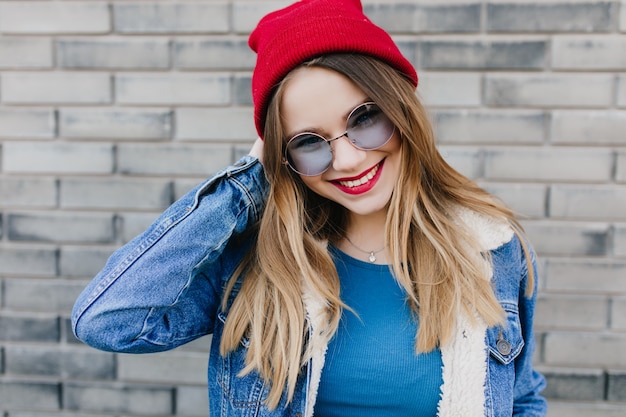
371 367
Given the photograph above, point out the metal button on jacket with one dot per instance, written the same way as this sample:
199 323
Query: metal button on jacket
503 346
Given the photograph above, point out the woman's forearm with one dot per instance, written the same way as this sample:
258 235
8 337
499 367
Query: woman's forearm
164 287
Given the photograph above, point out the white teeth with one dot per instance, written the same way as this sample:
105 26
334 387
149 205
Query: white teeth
364 179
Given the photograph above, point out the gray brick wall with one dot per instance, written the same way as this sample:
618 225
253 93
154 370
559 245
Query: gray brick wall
110 110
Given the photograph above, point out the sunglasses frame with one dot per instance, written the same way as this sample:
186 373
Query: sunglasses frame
329 141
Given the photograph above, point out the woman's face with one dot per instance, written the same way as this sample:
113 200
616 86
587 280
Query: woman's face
319 100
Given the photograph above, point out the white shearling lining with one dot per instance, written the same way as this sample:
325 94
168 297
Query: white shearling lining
490 232
464 371
315 308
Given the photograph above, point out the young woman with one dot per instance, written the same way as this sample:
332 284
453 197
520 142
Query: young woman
353 272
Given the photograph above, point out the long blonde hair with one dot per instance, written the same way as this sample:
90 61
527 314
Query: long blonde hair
434 257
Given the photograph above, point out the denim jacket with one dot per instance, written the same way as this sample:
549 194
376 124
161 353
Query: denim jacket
164 288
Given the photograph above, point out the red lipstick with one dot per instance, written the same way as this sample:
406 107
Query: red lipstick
361 183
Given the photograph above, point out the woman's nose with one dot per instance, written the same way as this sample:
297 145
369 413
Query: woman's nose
346 157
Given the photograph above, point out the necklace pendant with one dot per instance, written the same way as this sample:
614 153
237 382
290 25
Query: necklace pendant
372 257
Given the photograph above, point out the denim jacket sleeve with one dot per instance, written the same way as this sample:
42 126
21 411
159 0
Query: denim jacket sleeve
163 288
514 383
529 383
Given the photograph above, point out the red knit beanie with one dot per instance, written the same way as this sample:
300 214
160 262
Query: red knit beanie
288 37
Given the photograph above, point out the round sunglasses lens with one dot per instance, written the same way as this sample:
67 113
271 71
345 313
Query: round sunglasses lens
369 127
309 154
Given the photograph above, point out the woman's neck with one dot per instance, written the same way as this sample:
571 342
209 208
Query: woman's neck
365 238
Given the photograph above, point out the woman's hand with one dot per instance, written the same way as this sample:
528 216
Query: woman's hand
257 149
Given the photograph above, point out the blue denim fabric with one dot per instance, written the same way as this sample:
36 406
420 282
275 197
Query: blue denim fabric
164 289
512 383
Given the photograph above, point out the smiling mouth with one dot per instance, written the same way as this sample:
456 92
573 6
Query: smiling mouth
361 180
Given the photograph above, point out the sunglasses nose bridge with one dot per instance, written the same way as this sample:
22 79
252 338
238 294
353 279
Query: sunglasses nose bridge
346 156
330 141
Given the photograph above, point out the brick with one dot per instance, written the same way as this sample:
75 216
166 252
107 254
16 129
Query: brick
574 312
108 193
230 123
36 295
482 54
69 338
550 16
620 172
16 413
618 313
20 328
450 89
57 87
621 89
183 186
118 123
240 151
81 261
168 367
617 386
589 52
32 123
598 202
619 243
115 123
135 223
549 90
490 126
197 159
60 227
568 238
213 54
465 160
428 18
587 276
585 349
246 14
528 200
28 261
44 361
113 53
33 395
89 17
173 88
57 157
118 398
25 53
579 409
201 344
408 48
574 384
180 17
88 364
589 127
28 192
192 401
242 90
545 164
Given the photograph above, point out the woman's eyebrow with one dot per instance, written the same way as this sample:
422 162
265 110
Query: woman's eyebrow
315 130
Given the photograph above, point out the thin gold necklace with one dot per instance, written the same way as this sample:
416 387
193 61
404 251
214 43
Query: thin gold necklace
371 253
